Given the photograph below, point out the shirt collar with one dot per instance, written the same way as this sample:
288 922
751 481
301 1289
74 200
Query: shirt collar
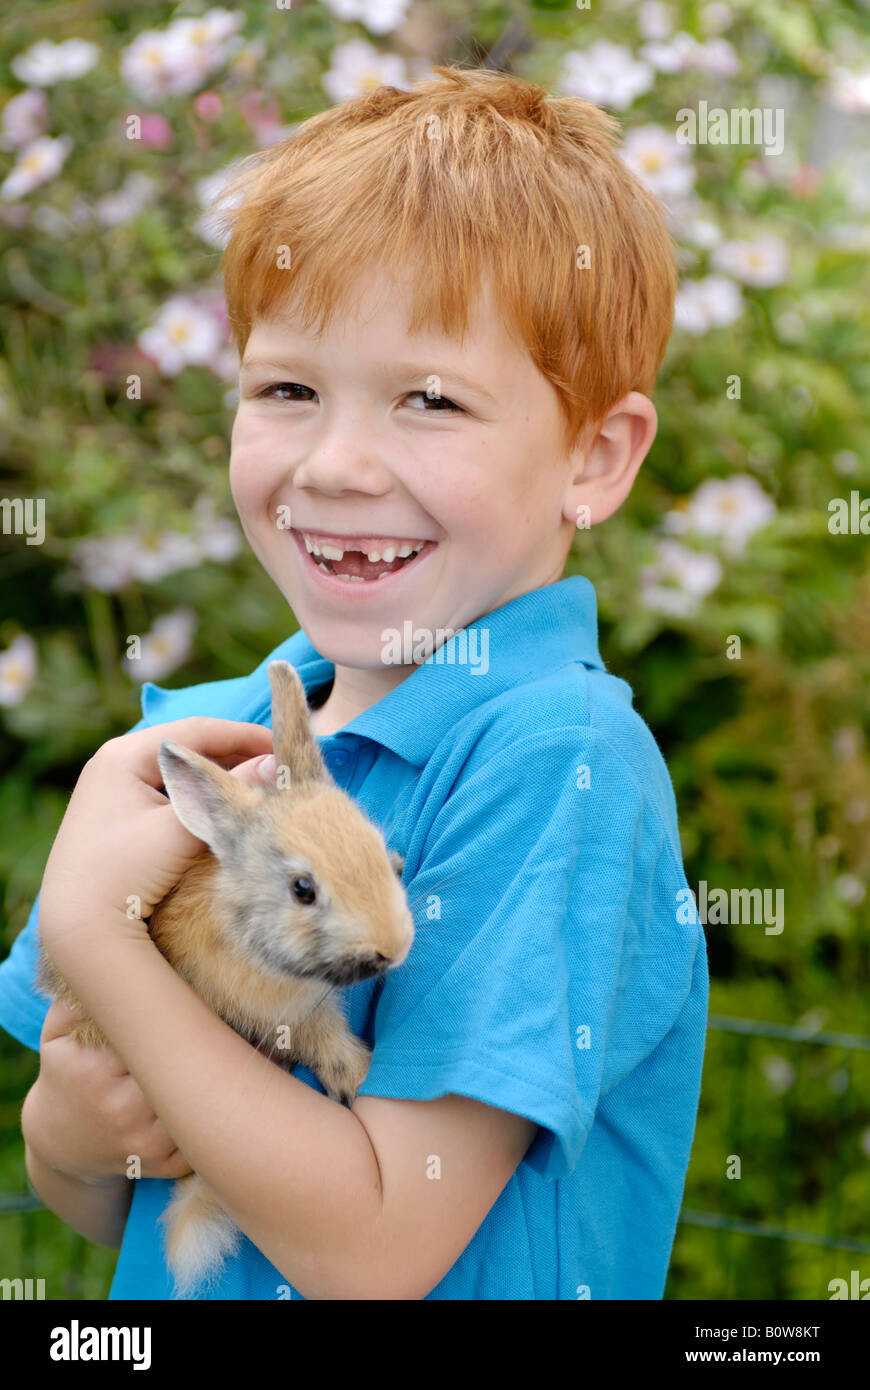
536 632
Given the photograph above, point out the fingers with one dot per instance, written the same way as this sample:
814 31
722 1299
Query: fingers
224 740
60 1020
256 772
175 1166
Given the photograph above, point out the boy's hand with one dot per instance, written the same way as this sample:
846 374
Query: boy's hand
85 1116
120 838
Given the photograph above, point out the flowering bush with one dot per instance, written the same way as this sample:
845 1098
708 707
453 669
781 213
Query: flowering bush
734 584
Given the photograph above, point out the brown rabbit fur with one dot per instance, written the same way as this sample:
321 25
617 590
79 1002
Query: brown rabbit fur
296 896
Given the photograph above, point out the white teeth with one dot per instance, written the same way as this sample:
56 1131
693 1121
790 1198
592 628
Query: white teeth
330 552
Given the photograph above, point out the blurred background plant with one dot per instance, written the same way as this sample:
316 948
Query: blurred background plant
733 596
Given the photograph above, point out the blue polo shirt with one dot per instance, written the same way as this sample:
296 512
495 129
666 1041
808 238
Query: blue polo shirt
553 972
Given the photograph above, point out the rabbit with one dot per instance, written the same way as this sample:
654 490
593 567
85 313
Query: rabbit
295 897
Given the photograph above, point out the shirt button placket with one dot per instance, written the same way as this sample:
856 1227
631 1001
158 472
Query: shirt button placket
338 761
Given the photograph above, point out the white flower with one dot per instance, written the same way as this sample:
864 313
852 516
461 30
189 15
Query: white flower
606 73
164 648
848 742
246 58
102 563
46 63
147 553
850 888
37 164
183 334
715 17
718 56
154 554
659 160
378 16
779 1073
733 508
654 20
210 193
358 67
704 304
179 59
218 538
684 53
147 66
196 48
17 670
24 119
676 56
849 91
700 231
678 579
760 262
109 563
134 194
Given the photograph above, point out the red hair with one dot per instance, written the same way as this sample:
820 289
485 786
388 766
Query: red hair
470 172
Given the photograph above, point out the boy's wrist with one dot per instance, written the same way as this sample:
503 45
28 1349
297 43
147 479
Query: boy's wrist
35 1155
35 1160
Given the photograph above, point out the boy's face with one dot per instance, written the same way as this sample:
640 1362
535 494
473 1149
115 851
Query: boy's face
348 440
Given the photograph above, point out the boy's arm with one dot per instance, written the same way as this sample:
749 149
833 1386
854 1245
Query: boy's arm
431 1213
339 1200
97 1211
81 1120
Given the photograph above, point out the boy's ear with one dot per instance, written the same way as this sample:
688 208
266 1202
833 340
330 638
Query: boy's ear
608 460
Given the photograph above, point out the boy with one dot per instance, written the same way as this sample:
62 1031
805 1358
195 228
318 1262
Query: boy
526 1123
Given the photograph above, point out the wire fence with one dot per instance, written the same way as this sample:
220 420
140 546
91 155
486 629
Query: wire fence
83 1271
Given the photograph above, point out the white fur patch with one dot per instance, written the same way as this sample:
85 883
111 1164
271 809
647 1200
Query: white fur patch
200 1236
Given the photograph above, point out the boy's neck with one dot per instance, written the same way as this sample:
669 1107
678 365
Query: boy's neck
350 693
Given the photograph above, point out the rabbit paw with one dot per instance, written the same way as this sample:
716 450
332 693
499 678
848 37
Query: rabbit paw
344 1073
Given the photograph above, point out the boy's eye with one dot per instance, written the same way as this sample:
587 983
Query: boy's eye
292 386
439 404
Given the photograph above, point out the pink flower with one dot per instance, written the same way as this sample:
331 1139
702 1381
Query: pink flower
25 119
208 106
805 181
260 111
157 133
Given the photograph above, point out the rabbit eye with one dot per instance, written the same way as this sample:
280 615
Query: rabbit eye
303 890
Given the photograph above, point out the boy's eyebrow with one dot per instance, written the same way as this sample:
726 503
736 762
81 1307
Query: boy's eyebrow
413 369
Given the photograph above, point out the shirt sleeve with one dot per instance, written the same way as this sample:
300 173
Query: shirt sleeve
548 960
22 1009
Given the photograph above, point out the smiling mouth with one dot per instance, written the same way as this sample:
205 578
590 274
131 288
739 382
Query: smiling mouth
360 559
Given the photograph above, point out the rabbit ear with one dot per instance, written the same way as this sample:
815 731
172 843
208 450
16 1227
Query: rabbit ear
294 745
209 802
